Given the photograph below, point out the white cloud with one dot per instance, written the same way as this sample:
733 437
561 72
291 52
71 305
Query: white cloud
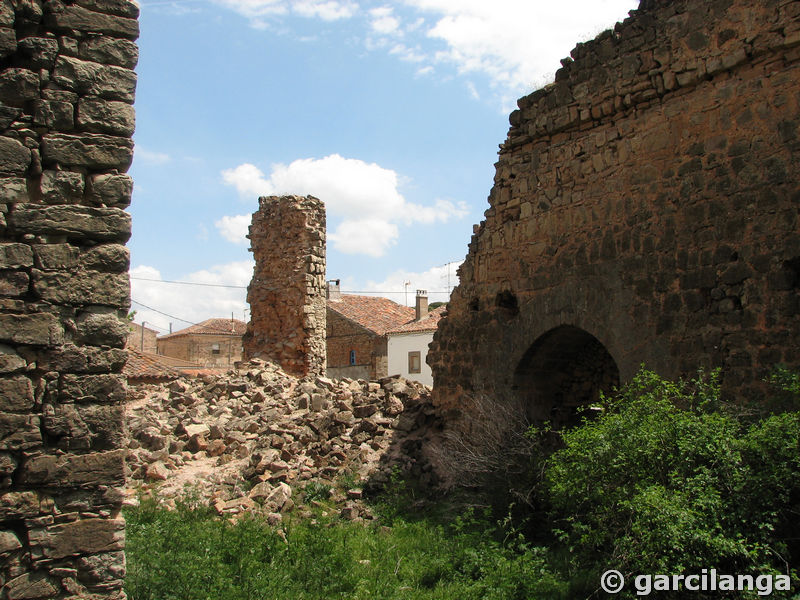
190 302
260 11
517 43
383 22
438 281
365 196
327 10
143 155
234 228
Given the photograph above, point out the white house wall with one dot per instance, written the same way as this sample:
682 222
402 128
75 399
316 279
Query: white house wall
399 347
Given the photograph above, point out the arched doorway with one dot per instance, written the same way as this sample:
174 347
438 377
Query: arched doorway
562 374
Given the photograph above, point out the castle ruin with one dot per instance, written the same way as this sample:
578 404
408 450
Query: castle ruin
287 292
644 210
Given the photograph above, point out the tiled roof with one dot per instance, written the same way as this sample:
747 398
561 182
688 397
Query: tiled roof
372 312
143 365
212 327
429 323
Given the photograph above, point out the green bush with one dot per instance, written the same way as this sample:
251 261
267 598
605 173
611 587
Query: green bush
663 482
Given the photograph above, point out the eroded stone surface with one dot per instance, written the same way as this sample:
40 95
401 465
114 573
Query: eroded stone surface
635 217
287 293
66 117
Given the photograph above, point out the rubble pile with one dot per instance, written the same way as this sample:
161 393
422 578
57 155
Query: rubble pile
248 439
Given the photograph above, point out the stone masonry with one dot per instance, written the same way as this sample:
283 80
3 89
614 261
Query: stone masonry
645 210
287 293
66 119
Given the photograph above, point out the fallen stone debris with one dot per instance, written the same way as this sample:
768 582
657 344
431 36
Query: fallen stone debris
252 439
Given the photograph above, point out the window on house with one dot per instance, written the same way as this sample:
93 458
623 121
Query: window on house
352 357
214 348
414 362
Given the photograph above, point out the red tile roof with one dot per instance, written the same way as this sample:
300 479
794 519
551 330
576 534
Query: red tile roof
429 323
143 365
212 327
372 312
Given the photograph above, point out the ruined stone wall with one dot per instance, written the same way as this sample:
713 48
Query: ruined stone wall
647 200
66 119
287 293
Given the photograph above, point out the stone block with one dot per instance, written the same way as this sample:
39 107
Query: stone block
98 389
83 19
110 190
80 359
15 256
82 287
56 256
19 432
13 190
26 504
38 329
102 568
15 158
18 86
101 329
14 283
39 52
110 51
8 114
55 115
61 187
30 586
84 536
94 79
83 427
74 470
9 542
78 222
10 361
6 13
123 8
16 394
112 258
91 150
8 41
106 116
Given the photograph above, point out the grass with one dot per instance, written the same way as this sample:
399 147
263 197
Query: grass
190 554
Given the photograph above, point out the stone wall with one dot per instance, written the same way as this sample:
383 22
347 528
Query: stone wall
645 206
66 119
287 293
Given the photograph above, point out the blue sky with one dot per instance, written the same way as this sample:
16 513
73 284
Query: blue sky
390 112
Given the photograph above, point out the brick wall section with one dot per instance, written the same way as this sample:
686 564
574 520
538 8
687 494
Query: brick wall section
66 118
287 293
648 198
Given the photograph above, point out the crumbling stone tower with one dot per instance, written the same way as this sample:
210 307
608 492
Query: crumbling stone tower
66 118
644 210
287 293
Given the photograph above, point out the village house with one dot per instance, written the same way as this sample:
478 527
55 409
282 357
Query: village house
142 338
356 333
213 343
407 345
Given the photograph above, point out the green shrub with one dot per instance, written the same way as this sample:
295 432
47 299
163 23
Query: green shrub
662 482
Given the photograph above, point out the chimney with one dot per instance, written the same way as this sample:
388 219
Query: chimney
422 304
334 291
